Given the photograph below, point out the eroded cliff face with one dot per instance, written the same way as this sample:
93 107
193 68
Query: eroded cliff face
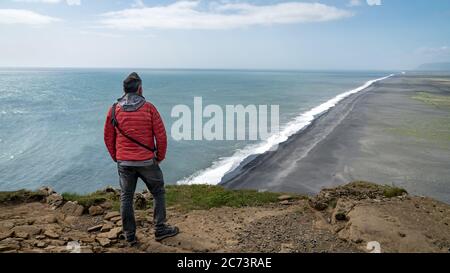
358 217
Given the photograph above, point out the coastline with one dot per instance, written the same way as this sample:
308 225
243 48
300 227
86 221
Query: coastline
364 137
223 168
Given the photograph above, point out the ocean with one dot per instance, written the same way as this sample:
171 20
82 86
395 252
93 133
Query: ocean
51 120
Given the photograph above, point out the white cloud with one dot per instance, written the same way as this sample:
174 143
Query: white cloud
27 17
68 2
354 3
220 15
374 2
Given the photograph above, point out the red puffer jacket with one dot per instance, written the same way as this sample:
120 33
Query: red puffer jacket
140 120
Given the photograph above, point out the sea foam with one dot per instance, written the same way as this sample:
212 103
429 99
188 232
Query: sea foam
214 174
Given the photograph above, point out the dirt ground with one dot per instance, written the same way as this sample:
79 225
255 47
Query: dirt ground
345 219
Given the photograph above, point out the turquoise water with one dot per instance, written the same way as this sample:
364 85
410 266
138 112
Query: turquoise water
51 120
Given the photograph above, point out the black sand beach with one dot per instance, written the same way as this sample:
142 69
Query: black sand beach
395 132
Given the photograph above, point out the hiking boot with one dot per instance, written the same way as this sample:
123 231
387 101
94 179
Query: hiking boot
166 232
131 241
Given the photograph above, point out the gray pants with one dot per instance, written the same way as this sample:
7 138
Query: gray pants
153 179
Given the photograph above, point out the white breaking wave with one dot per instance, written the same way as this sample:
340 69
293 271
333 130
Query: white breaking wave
213 175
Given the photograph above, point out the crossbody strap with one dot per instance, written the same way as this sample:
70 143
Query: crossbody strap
115 123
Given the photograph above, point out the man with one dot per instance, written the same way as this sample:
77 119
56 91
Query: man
132 126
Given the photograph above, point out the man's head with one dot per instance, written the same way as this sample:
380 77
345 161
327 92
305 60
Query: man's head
132 84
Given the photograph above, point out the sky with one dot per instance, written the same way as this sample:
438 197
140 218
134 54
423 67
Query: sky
225 34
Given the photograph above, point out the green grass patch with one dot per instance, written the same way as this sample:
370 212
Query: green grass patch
21 196
440 101
91 199
193 197
378 189
390 191
189 197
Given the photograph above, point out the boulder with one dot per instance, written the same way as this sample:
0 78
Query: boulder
72 209
318 204
6 225
22 235
7 234
107 227
104 242
55 200
96 210
95 228
140 202
147 195
40 244
107 205
115 232
111 214
51 234
9 244
112 234
116 219
47 191
31 230
48 219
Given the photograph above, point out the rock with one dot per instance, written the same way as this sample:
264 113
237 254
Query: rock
31 230
284 197
97 249
6 235
104 242
86 249
318 204
72 209
22 235
9 244
96 210
111 214
88 240
116 219
285 202
140 202
340 216
49 219
95 228
51 234
107 205
6 225
46 190
55 200
57 243
112 234
71 220
107 227
40 244
109 189
147 195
